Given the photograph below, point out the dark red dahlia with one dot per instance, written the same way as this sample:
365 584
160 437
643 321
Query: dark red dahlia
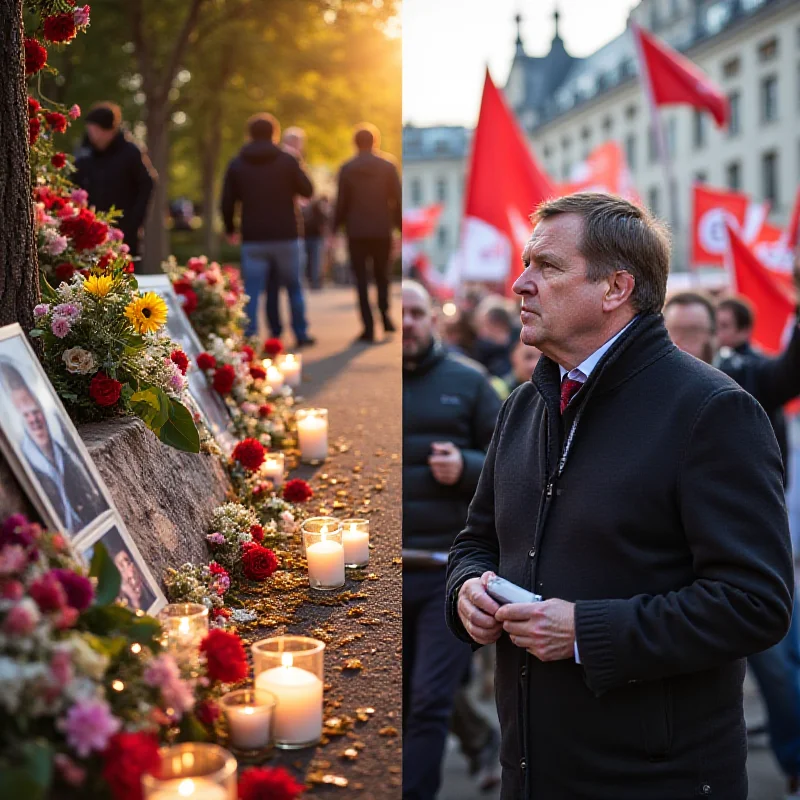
128 757
56 121
257 532
33 107
257 372
258 563
250 453
226 659
35 56
249 352
206 361
34 128
297 491
58 160
64 272
268 783
179 357
60 28
273 347
224 378
85 230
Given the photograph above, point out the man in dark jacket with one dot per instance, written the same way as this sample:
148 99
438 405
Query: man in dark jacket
264 180
639 492
449 412
114 171
368 205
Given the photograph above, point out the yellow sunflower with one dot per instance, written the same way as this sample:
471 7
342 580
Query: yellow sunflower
147 313
99 286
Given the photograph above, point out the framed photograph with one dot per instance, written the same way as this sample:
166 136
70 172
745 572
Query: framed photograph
42 445
180 329
139 589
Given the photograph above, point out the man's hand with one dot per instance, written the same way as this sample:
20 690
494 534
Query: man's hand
477 610
546 630
234 239
446 462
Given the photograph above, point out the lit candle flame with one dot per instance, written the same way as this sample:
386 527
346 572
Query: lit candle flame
184 626
186 788
286 660
323 532
248 710
353 527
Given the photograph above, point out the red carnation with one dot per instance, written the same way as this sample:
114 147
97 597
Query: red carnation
179 357
85 230
105 260
226 660
59 160
60 28
268 783
297 491
103 390
187 295
64 272
196 264
258 563
273 347
58 122
48 593
257 532
217 569
249 453
33 107
257 372
34 127
224 378
265 410
35 56
206 361
220 612
249 352
128 757
207 712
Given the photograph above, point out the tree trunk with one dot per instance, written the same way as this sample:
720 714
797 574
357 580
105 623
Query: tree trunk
210 157
19 263
156 239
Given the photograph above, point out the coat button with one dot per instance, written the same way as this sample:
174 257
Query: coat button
523 673
705 789
523 765
532 552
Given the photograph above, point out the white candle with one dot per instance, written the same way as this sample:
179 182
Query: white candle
275 378
292 370
249 726
356 545
194 788
326 562
272 470
298 713
312 433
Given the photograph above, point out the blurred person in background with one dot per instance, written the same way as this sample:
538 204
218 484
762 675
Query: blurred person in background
316 222
457 333
115 172
524 359
692 320
369 207
496 335
449 412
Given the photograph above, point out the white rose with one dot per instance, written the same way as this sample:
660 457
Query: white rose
79 361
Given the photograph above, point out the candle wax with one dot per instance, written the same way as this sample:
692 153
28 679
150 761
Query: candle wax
326 562
192 788
298 713
356 545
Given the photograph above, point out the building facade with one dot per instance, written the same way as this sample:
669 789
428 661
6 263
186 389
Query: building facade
568 106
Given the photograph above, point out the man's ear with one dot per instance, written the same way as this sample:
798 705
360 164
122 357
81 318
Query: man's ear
620 287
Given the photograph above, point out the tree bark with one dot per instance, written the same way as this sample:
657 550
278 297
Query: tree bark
210 157
19 263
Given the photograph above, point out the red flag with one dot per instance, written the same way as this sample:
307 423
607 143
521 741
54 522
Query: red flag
713 208
772 303
794 224
505 185
419 223
673 78
604 170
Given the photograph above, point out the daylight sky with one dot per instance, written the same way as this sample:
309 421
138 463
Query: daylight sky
448 43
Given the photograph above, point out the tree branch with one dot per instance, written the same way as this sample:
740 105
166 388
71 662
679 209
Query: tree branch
143 59
189 25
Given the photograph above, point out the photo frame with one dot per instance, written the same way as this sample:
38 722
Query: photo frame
42 445
180 329
140 590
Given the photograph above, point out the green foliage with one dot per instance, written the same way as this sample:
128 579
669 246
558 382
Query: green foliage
108 578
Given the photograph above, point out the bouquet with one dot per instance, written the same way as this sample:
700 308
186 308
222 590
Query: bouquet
106 356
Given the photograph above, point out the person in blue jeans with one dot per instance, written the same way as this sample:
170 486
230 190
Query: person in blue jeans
262 182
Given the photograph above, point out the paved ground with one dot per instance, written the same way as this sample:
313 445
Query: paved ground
766 782
361 388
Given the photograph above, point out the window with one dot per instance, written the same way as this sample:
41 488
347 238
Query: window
701 177
699 130
652 200
441 190
608 125
768 50
675 8
769 99
566 171
733 175
630 112
630 150
769 178
547 151
672 136
565 143
652 144
730 69
441 237
416 193
735 122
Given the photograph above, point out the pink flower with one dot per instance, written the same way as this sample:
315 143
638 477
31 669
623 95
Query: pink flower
66 618
81 17
197 264
178 696
68 310
61 668
12 590
230 299
160 671
22 619
88 726
123 248
55 244
48 593
72 773
41 310
78 196
177 382
115 235
247 407
13 559
60 327
287 518
215 538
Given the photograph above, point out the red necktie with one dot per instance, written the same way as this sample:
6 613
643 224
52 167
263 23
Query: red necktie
569 388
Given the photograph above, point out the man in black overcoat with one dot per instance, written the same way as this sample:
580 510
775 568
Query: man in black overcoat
614 488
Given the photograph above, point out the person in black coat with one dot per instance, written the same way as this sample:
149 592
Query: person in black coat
449 412
114 171
369 207
639 491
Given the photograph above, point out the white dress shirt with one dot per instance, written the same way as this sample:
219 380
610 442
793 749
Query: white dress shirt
581 373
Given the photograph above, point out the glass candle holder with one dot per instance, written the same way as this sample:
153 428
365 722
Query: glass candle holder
292 669
273 467
248 714
185 625
274 378
312 433
355 538
196 771
291 365
324 550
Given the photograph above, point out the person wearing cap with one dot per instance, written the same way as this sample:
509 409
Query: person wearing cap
114 171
